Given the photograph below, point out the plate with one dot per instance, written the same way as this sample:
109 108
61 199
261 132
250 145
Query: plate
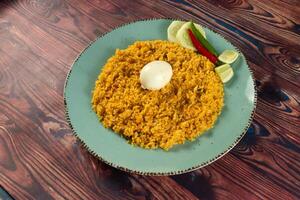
240 101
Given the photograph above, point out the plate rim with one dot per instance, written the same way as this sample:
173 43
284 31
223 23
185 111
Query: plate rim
151 173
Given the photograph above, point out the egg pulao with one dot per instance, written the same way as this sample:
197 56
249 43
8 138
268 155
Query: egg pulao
182 110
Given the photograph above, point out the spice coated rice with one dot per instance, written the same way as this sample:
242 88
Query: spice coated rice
186 107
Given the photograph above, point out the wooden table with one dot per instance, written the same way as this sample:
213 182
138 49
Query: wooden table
41 159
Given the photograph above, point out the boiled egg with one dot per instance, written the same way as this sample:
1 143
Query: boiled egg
155 75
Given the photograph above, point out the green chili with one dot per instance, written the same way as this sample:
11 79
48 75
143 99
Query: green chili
203 41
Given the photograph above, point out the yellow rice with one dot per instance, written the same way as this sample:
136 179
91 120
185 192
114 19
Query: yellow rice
182 110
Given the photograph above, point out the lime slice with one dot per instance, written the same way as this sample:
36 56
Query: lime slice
228 56
225 72
222 68
183 37
172 30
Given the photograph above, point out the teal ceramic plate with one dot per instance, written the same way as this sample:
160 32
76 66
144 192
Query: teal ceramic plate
240 100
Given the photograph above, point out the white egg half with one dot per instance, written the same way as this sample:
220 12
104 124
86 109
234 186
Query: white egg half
155 75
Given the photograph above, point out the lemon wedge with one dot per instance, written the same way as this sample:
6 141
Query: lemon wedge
228 56
225 72
183 37
173 29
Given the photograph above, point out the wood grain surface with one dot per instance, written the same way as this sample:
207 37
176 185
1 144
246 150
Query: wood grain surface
41 159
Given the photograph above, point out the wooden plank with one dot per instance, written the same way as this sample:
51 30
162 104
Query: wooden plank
41 159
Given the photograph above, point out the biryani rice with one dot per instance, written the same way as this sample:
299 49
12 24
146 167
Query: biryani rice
185 108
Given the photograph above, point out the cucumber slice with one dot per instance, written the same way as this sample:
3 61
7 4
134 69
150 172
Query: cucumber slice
183 37
173 29
225 72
